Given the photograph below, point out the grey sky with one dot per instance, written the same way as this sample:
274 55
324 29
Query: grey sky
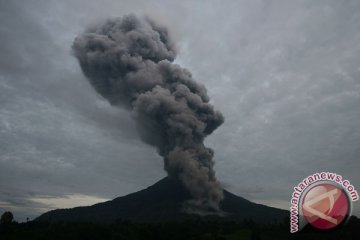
285 74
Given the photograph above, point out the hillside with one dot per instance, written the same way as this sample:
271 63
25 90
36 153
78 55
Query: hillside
162 202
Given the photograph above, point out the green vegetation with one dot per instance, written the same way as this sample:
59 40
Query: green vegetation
187 230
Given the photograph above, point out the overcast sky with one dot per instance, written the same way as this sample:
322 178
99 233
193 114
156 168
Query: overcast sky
285 74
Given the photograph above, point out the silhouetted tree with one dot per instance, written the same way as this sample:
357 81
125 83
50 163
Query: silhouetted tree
6 218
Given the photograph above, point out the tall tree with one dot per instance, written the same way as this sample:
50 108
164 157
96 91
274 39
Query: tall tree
6 218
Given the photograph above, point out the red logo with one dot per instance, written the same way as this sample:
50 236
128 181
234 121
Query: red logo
325 206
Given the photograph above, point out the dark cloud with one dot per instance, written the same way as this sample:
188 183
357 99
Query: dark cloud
49 132
285 76
129 62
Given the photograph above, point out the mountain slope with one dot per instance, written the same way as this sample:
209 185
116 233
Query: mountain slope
161 202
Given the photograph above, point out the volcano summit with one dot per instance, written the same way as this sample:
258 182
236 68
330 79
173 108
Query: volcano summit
162 202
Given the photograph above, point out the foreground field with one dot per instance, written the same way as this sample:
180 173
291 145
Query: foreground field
188 230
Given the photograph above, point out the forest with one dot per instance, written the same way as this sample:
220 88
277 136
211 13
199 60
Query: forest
192 229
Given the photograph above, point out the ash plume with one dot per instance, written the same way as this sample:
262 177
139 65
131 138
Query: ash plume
128 61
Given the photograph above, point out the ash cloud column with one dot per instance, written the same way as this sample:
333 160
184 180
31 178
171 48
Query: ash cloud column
128 61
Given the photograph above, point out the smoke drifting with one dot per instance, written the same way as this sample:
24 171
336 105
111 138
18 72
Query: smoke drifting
129 62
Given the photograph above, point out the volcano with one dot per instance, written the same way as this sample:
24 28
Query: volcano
163 202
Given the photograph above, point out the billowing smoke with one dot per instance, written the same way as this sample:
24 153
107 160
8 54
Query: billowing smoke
129 62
